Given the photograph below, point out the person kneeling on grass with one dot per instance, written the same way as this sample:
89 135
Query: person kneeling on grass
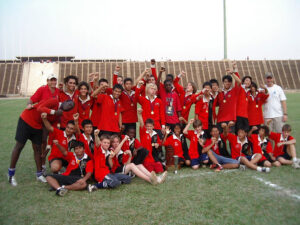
120 163
215 147
261 139
242 149
284 148
79 170
103 175
197 138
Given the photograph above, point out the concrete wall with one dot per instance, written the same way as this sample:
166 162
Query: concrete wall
35 75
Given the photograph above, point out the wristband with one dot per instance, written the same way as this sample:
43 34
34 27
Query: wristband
52 112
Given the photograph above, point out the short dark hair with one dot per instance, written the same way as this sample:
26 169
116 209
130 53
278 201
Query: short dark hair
253 84
286 127
214 81
243 129
214 126
83 83
71 122
67 78
197 123
227 77
74 144
266 129
166 81
118 86
149 120
103 80
127 79
170 76
246 77
86 122
206 83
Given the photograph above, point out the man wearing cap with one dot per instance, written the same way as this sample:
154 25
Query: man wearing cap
275 107
44 92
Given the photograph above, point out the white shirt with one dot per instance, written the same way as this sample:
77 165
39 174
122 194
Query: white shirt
273 107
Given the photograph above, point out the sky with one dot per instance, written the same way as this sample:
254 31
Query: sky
141 30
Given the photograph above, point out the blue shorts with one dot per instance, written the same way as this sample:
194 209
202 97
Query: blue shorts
224 160
249 157
198 161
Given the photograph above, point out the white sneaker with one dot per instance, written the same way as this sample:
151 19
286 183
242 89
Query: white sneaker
154 178
242 167
162 177
12 180
61 191
91 188
265 169
41 179
296 165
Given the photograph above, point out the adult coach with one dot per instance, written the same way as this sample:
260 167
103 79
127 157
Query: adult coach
30 127
275 107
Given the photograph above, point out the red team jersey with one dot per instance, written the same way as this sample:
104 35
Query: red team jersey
193 149
73 168
44 93
129 104
66 116
170 101
255 113
202 110
277 138
176 144
101 169
83 108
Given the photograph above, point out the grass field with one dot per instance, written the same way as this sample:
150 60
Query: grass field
190 197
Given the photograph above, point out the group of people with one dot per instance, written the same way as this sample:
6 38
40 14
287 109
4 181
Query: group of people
90 128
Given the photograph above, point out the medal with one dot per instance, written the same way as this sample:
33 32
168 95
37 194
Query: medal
224 101
206 111
116 113
152 113
131 104
184 107
83 113
153 144
256 106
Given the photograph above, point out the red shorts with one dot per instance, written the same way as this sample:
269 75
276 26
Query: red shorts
154 166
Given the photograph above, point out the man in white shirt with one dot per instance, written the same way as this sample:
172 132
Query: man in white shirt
275 107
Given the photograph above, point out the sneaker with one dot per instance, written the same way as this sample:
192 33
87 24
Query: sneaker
12 180
219 168
265 169
213 166
91 188
44 171
61 191
153 178
41 179
162 177
296 165
242 167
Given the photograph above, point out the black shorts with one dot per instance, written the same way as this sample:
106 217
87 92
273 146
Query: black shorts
285 156
120 169
25 132
261 163
64 162
65 180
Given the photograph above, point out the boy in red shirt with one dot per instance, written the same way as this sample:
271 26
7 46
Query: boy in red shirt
129 103
110 117
102 173
70 93
197 139
56 158
256 99
204 109
80 169
242 149
84 102
151 141
284 148
175 140
261 139
30 127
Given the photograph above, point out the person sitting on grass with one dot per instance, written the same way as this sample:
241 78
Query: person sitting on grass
216 147
79 170
150 140
30 126
175 140
121 163
56 159
197 139
102 173
242 149
284 148
261 139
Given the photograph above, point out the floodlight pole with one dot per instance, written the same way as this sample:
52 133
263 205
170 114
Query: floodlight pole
225 30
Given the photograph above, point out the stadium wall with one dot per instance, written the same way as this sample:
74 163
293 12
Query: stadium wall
24 78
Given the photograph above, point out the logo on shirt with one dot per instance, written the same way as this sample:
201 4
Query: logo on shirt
64 142
176 144
73 163
157 103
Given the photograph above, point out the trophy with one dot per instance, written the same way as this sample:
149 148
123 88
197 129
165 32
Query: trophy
176 163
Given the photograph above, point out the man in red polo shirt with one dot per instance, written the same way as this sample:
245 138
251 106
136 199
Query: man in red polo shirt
30 127
70 93
227 99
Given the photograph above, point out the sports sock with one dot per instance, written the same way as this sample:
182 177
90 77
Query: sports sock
294 159
11 171
40 173
259 169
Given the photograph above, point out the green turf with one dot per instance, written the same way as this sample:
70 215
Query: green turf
191 197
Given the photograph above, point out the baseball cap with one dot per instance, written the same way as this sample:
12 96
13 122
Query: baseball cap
268 75
51 76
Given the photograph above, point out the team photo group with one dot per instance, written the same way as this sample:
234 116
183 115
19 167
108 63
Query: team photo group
90 135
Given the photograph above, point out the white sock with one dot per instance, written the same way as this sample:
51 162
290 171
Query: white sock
259 169
294 159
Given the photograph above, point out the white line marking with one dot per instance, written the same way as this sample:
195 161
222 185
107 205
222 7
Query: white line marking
199 174
277 187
